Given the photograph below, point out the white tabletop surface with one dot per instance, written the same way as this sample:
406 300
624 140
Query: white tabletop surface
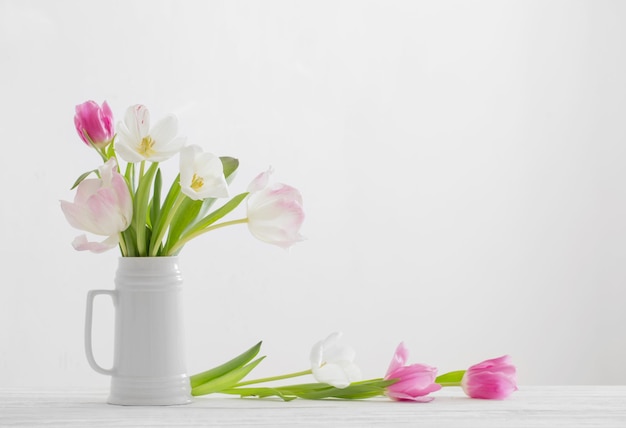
564 406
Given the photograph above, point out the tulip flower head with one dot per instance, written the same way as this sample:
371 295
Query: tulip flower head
94 124
102 206
332 362
414 381
490 379
201 174
138 142
275 213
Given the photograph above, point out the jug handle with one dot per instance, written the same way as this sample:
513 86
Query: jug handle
88 329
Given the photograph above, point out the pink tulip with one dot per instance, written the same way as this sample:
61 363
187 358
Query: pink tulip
102 206
491 379
94 123
275 213
415 381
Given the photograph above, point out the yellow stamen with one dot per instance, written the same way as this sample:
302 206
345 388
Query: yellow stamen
145 148
197 182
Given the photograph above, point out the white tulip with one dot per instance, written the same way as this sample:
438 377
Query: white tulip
332 362
136 142
201 174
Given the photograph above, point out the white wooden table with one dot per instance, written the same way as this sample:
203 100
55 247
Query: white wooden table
566 406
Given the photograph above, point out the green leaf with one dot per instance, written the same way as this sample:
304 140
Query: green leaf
351 392
172 194
129 174
260 392
110 149
355 391
230 165
235 363
156 198
216 215
185 216
225 381
317 391
170 199
141 207
82 177
450 378
130 239
148 236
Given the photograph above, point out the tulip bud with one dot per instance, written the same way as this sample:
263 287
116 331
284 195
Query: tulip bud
94 123
490 379
275 213
414 381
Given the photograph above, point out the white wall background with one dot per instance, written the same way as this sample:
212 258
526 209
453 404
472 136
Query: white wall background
462 165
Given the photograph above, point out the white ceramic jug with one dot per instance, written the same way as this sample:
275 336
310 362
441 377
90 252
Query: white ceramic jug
149 363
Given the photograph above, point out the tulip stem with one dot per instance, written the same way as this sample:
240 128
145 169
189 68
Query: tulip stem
97 149
123 247
445 384
274 378
188 238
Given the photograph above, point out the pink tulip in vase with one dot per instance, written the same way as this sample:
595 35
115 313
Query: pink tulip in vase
130 212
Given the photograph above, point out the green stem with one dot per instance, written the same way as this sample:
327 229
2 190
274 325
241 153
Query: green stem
91 143
274 378
123 247
176 247
156 242
103 155
444 384
129 174
140 208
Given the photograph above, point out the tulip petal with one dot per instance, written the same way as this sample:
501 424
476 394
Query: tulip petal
260 181
164 131
137 121
81 243
399 358
399 396
74 214
332 374
337 352
352 371
318 351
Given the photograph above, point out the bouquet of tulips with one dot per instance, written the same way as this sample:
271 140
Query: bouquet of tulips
333 367
129 209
